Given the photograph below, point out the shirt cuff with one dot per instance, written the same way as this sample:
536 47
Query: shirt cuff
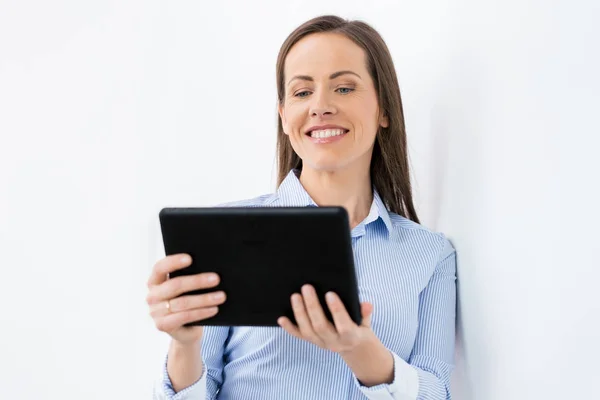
405 385
196 391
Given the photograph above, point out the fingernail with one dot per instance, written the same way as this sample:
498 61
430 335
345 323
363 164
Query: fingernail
218 296
185 260
329 297
296 300
211 278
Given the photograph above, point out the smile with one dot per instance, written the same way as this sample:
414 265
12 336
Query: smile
325 136
327 133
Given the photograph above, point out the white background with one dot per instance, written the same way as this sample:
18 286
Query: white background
111 110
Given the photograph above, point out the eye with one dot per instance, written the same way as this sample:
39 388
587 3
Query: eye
299 94
345 90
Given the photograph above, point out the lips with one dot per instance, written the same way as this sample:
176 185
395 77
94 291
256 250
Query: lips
327 136
325 127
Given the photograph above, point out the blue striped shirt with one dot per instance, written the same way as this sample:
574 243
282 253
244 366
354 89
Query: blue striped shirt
406 271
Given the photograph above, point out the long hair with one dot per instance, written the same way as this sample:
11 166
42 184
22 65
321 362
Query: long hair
389 169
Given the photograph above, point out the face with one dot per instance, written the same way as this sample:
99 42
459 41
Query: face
330 111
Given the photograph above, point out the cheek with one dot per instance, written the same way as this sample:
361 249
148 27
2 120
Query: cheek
366 124
294 120
369 122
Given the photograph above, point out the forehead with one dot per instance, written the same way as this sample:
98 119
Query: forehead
324 53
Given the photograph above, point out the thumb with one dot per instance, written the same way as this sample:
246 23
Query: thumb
366 310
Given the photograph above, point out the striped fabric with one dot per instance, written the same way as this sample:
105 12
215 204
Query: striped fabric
405 270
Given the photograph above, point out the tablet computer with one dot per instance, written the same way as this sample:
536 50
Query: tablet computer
263 255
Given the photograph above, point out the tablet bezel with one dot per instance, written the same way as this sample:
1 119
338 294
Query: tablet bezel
212 233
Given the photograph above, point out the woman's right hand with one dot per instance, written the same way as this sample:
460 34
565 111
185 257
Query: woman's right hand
170 312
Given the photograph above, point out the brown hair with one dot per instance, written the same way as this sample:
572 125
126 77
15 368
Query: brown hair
389 164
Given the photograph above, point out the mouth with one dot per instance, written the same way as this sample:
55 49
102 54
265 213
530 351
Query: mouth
326 133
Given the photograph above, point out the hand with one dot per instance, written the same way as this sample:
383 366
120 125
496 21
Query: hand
343 337
170 312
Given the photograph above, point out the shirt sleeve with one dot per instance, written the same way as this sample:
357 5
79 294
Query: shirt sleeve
426 376
209 384
163 388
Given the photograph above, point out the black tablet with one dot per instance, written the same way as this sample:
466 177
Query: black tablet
264 255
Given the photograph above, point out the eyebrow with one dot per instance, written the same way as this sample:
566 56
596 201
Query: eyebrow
332 76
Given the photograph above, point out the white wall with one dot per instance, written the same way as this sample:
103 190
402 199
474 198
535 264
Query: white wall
110 111
515 127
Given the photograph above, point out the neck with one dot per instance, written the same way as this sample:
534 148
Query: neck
348 188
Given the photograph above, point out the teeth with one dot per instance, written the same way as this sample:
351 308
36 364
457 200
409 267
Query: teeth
327 133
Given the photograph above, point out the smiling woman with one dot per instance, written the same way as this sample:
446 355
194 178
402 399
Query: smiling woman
343 73
320 108
341 141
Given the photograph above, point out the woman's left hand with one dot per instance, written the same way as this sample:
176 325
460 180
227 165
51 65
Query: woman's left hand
343 337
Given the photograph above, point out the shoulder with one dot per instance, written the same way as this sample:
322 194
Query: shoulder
422 237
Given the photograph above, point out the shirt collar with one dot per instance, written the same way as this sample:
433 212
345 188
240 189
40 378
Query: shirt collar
382 211
291 193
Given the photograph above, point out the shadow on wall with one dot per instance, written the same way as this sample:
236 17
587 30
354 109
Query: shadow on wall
457 189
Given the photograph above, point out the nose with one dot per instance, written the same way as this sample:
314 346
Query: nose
321 105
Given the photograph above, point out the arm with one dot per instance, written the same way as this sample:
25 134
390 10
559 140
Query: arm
433 352
184 364
200 368
427 374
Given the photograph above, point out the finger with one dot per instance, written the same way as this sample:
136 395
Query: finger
341 318
189 302
171 322
289 327
366 310
302 320
182 284
166 265
319 321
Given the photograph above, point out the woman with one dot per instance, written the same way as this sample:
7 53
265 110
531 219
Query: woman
341 141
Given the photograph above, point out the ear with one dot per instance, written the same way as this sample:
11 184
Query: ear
281 111
384 121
